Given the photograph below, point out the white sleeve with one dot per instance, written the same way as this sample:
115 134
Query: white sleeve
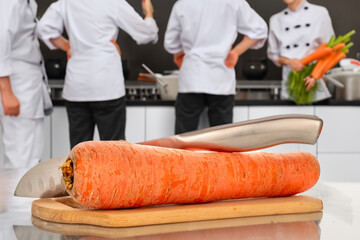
251 24
172 41
51 25
273 48
143 31
5 39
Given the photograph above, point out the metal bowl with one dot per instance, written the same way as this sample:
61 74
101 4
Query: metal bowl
167 86
350 78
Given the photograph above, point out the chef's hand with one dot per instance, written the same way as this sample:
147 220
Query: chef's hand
63 44
10 104
309 82
68 54
295 65
178 58
148 8
231 59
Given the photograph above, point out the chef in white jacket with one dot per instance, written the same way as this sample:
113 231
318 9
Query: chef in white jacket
294 33
94 84
200 34
22 79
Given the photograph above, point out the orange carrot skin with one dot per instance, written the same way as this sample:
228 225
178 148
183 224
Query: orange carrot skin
316 55
318 69
335 59
118 174
338 47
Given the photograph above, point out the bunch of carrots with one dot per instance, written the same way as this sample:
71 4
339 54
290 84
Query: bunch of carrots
325 57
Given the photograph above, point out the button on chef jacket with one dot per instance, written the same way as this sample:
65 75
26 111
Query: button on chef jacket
94 72
20 56
297 34
205 30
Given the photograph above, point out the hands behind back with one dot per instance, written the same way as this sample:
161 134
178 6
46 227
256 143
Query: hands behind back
231 59
178 58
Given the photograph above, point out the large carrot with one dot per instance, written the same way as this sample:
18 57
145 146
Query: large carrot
118 174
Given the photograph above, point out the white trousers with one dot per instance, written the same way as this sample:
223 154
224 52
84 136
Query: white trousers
23 140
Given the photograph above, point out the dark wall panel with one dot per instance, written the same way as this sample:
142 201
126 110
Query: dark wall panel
344 17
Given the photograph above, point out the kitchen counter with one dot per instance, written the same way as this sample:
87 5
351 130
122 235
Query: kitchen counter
266 93
340 220
330 102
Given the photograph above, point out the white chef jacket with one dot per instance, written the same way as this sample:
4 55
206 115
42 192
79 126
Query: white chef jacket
20 56
94 72
205 30
297 34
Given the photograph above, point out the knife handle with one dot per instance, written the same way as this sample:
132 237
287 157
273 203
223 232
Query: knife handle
256 134
248 135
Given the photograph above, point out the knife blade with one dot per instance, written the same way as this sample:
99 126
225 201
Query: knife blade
45 180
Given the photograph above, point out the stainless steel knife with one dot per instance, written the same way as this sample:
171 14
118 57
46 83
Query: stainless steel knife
45 180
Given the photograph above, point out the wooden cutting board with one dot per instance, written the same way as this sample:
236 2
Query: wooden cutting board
65 210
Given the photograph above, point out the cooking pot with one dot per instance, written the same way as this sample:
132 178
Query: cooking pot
349 77
166 84
254 69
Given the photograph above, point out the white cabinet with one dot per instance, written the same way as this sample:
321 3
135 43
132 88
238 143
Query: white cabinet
265 111
339 143
135 124
240 113
47 141
341 130
339 167
159 122
60 140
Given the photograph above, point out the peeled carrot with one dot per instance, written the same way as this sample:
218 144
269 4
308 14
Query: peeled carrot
323 65
320 52
332 61
318 69
338 47
118 174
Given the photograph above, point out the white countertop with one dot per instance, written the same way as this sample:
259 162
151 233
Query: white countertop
340 220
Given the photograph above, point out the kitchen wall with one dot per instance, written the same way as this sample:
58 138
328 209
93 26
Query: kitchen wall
344 17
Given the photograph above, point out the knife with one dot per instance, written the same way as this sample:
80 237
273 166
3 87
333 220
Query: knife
45 179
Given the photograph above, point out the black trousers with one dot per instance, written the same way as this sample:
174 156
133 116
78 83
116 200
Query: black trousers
189 106
108 116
